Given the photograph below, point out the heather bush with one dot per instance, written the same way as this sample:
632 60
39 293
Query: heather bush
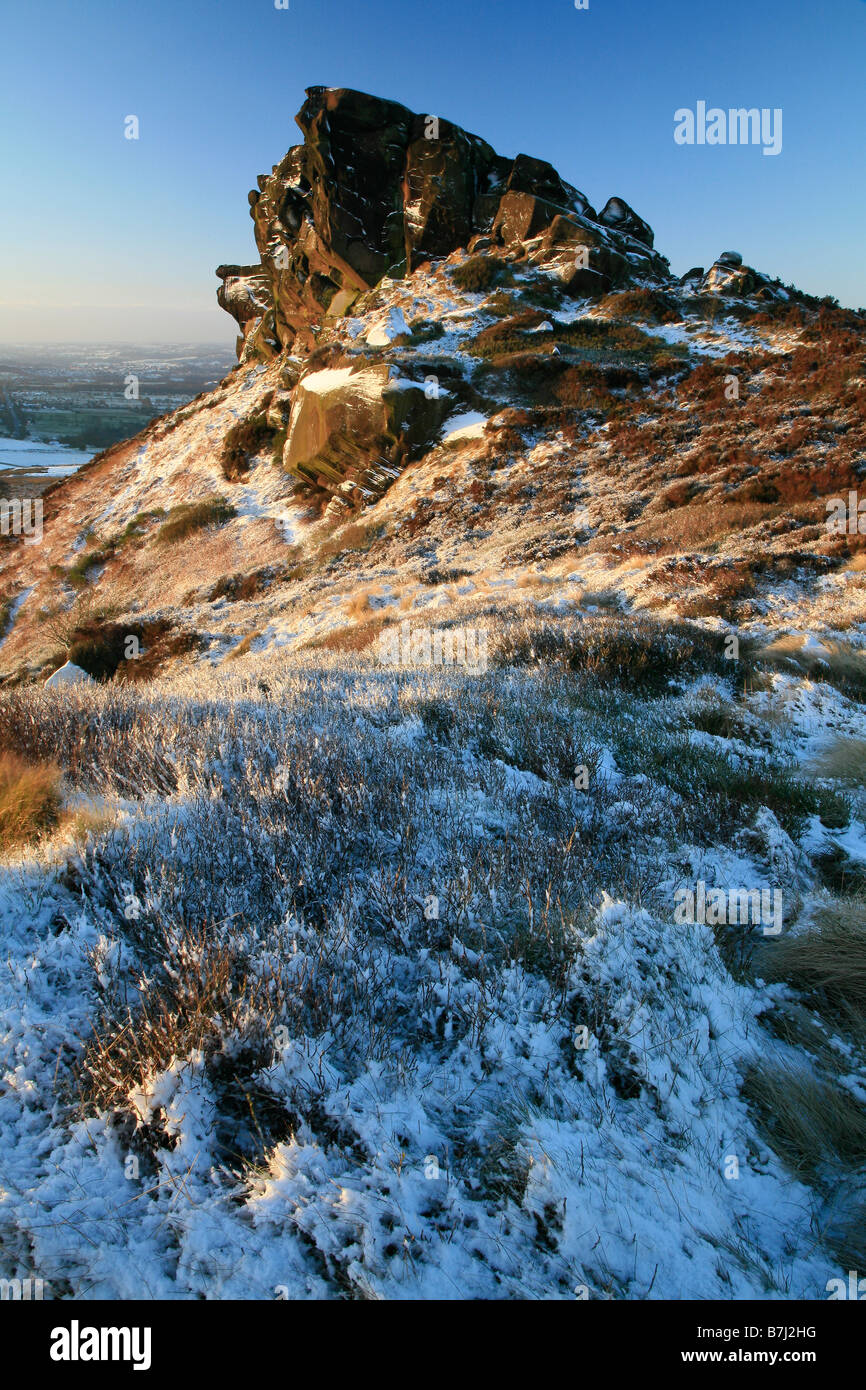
481 273
242 442
189 517
639 653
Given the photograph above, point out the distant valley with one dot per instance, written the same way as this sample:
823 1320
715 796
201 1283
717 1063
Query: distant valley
62 402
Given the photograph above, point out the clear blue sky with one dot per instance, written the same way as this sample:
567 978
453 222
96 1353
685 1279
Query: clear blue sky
102 237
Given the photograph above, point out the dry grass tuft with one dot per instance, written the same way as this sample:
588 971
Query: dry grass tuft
29 800
842 666
243 647
481 273
844 760
242 442
607 599
847 1238
88 823
190 517
357 638
814 1125
352 536
200 996
827 962
358 608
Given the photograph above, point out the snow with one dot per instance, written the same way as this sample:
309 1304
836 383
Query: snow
469 425
595 1160
69 674
440 1131
383 332
14 609
57 460
320 383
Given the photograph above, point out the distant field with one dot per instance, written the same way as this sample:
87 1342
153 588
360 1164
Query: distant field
89 427
21 483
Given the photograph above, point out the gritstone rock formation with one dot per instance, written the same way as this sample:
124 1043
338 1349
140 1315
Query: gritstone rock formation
376 190
376 196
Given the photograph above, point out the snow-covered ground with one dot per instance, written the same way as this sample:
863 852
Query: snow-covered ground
462 1048
57 460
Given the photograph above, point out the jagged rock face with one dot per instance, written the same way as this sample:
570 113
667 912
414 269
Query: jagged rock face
246 294
376 190
582 256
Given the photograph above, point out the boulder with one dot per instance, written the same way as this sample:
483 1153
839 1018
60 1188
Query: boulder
536 176
348 417
585 261
245 292
522 216
393 328
724 278
617 214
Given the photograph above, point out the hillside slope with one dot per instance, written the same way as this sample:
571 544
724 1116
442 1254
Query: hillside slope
545 407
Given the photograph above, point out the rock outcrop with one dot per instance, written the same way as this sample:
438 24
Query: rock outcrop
246 294
377 195
376 189
350 429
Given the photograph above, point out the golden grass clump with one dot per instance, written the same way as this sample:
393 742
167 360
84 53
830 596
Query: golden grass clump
29 800
844 760
841 665
244 646
358 606
812 1124
189 517
827 961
